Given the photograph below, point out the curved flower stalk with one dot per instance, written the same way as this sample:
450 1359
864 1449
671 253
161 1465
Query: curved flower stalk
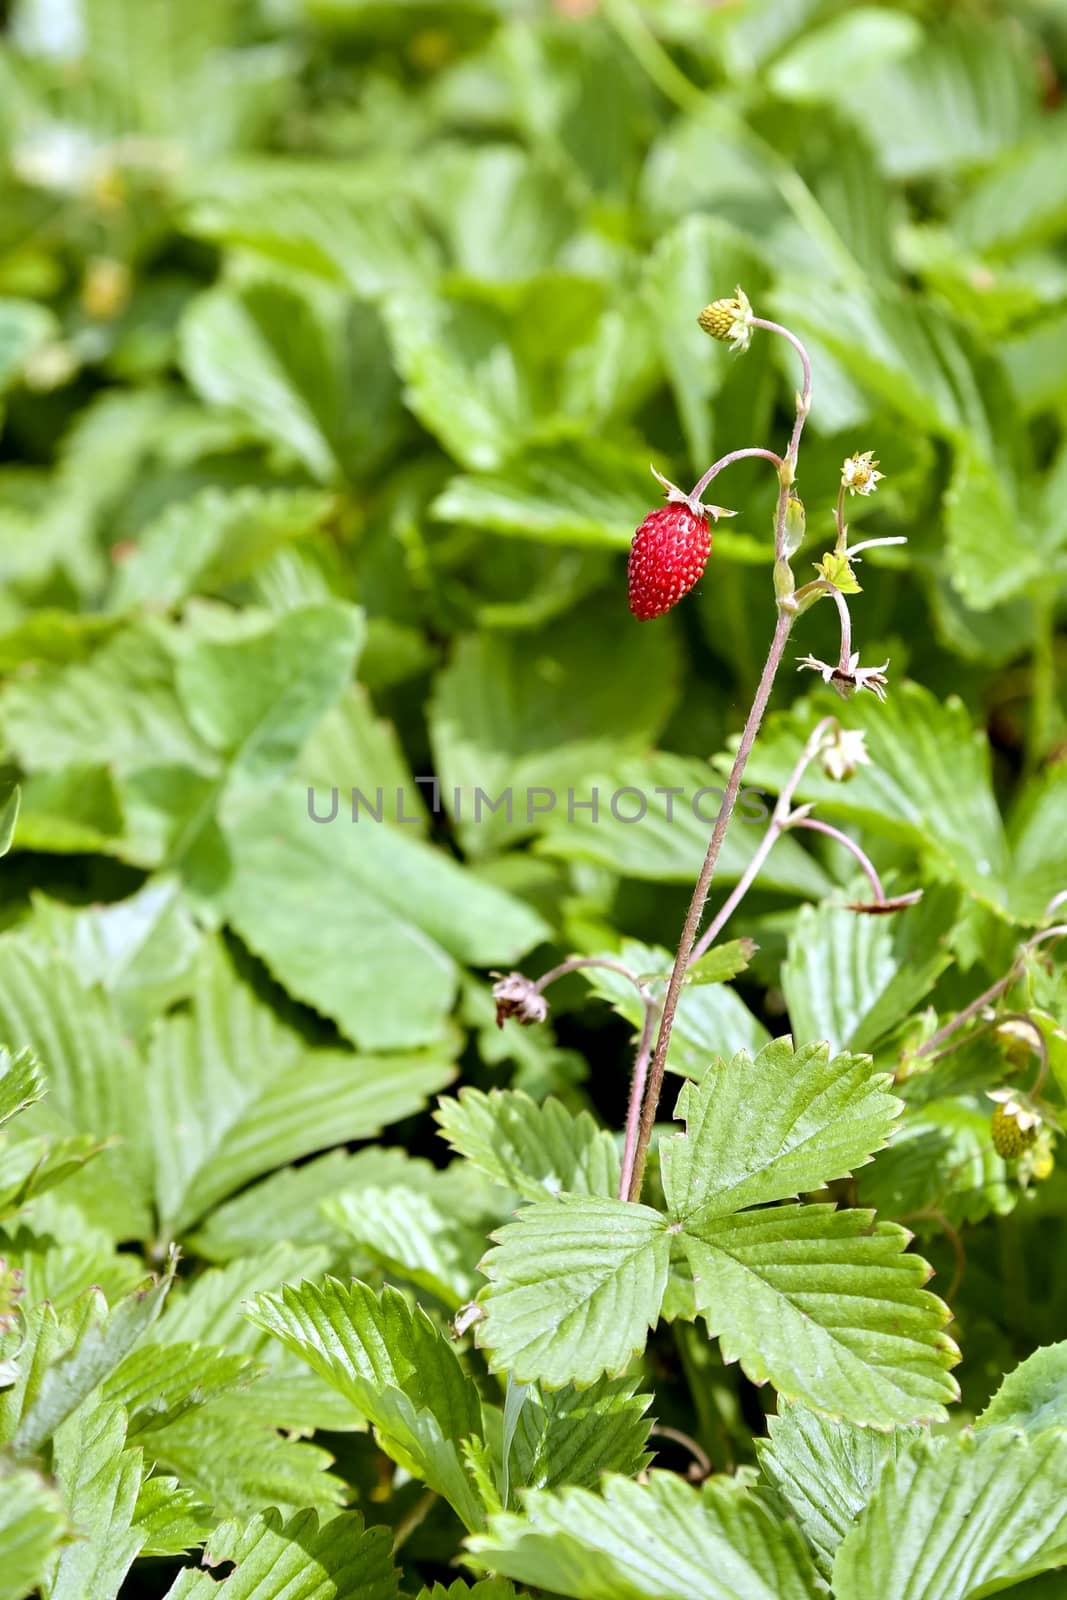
667 559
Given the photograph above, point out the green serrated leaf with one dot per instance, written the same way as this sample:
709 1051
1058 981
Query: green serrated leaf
712 1019
230 1456
305 367
94 1077
767 1128
826 1472
412 1237
660 1540
237 1079
850 979
33 1522
720 964
533 1149
270 1559
574 1285
827 1305
363 922
1033 1396
959 1519
255 699
100 1480
22 1083
157 1383
573 1436
396 1370
170 1518
65 1359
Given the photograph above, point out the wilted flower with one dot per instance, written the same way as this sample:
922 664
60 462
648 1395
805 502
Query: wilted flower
520 998
729 320
887 905
858 474
842 752
847 680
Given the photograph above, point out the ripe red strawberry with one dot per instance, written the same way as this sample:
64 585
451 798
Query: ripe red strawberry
669 553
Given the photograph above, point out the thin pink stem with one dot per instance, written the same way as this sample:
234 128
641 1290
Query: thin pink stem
728 461
769 840
861 856
644 1050
575 963
841 603
700 894
804 402
637 1100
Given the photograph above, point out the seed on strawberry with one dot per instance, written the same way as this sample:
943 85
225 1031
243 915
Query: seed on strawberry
669 553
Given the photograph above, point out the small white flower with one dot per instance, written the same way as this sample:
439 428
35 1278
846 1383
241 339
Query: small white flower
843 752
858 474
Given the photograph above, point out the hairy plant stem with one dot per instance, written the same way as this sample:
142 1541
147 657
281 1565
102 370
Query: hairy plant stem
700 894
786 616
641 1061
994 992
778 823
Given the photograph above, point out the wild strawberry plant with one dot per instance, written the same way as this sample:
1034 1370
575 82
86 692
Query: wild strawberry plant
520 1077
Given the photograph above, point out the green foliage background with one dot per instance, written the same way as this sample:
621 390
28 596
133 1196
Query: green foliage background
336 338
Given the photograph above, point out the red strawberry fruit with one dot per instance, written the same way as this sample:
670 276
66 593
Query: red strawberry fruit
669 553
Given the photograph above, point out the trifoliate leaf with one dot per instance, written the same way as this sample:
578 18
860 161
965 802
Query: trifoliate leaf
412 1238
533 1149
396 1370
660 1540
829 1307
574 1285
767 1128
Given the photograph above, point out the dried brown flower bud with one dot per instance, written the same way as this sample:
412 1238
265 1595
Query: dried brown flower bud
520 998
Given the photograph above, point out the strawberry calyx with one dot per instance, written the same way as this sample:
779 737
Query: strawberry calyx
678 496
